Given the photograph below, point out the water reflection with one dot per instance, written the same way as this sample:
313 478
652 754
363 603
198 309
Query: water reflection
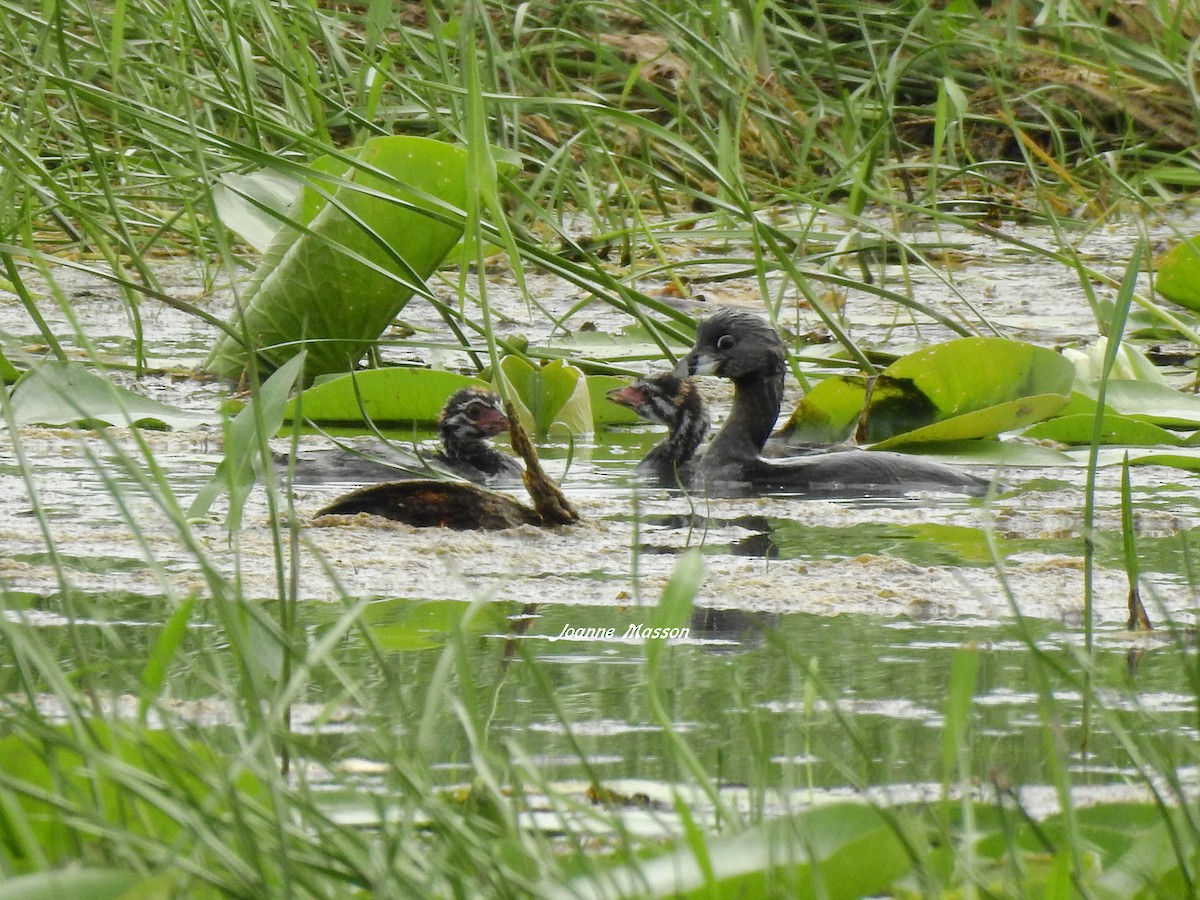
731 630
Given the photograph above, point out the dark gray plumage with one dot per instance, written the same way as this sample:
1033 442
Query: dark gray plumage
744 348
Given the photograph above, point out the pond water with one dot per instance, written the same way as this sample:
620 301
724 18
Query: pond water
825 630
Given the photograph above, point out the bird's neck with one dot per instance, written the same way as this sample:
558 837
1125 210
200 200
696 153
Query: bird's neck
756 402
476 452
685 437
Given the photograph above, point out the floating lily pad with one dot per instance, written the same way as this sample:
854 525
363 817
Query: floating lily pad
993 453
1114 429
1150 402
828 412
65 393
336 286
605 412
391 396
1177 275
970 388
959 390
1175 457
825 846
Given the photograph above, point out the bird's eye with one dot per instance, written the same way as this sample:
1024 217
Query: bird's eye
474 411
725 342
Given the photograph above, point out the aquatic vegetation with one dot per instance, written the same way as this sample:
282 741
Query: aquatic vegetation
205 694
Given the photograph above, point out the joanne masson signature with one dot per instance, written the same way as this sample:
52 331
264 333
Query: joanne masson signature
634 632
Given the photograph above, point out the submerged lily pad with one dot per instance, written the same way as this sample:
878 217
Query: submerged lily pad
404 624
67 393
390 396
335 286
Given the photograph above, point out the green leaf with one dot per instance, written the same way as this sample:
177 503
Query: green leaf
63 781
674 608
8 372
154 675
67 393
1178 274
1150 860
968 388
240 201
964 673
839 852
339 284
990 452
604 411
828 412
1149 402
94 884
553 396
244 442
959 390
1177 457
1122 430
391 396
1129 363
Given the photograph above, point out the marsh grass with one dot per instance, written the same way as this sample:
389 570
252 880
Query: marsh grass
634 123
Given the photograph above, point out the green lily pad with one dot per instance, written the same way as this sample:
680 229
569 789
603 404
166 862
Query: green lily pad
392 396
959 390
1176 457
1177 275
817 853
68 394
336 286
604 411
1114 429
968 388
993 453
553 396
234 196
828 412
1149 402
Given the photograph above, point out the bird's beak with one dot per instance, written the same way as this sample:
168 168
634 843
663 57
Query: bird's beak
492 421
626 396
696 363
